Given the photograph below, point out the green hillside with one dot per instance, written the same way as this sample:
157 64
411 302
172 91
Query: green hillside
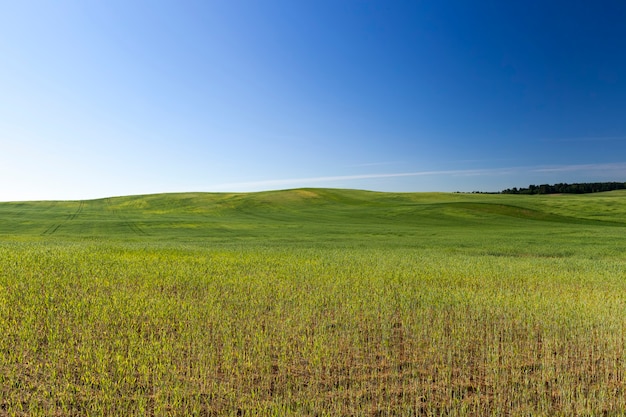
314 302
330 217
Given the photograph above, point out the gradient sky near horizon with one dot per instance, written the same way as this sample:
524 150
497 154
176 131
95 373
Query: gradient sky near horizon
118 97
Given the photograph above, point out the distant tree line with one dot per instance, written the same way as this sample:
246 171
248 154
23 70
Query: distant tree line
578 188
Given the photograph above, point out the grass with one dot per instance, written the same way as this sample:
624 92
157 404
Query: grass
314 302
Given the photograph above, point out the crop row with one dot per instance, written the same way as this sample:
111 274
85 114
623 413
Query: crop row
94 329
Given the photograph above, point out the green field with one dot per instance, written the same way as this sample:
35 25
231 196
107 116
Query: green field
314 302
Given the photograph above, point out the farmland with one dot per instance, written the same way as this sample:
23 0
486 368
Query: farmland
314 302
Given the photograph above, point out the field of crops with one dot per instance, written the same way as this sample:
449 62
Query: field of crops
314 303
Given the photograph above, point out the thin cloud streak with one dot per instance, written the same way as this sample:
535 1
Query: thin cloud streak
581 168
294 181
587 139
620 166
373 164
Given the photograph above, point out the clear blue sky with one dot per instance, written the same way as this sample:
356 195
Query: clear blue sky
105 98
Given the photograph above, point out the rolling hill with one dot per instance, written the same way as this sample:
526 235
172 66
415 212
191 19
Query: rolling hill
314 302
324 216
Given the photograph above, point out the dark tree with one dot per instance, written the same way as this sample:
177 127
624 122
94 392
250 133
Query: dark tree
577 188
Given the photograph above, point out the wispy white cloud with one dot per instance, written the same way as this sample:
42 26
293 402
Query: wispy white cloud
605 167
374 164
609 168
339 178
587 139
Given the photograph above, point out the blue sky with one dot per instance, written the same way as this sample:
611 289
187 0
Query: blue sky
105 98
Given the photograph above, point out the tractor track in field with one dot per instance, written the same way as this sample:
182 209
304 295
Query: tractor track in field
52 229
130 224
72 216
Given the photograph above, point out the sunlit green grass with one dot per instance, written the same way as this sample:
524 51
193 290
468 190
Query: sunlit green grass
314 302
